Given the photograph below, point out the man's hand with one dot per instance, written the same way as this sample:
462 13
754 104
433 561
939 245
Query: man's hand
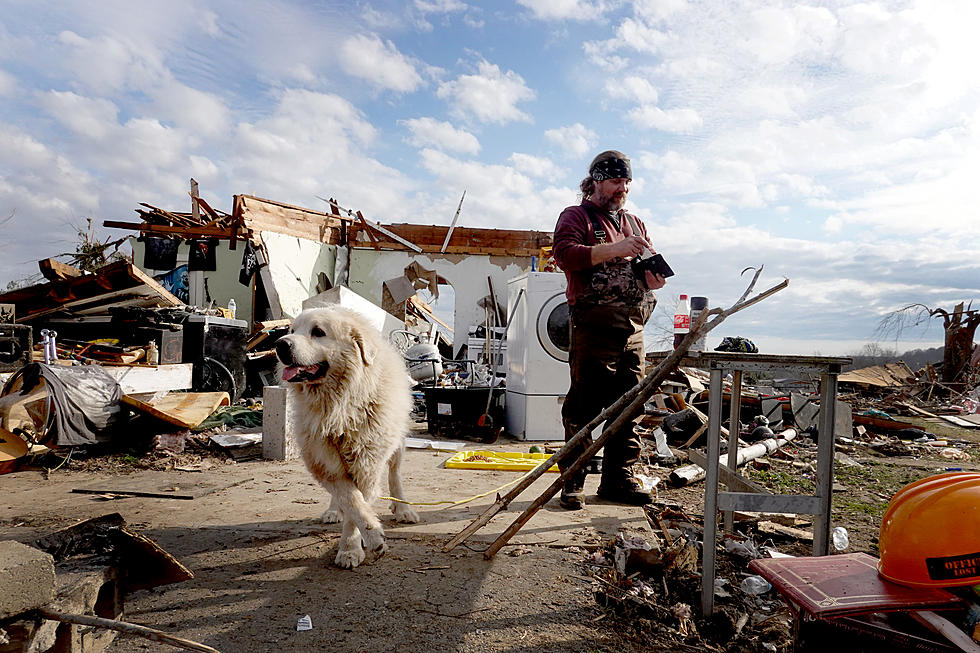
625 248
654 281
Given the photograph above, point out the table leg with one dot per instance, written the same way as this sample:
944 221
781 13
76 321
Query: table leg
711 496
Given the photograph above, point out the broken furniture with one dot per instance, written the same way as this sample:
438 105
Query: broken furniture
818 504
842 597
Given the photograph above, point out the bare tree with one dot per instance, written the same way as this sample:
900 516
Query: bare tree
960 327
90 253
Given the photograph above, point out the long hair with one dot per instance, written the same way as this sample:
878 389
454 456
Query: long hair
587 187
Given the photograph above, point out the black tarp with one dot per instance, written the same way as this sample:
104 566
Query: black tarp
85 401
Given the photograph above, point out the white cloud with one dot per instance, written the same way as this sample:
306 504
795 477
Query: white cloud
439 6
582 10
7 84
576 140
641 37
632 87
202 113
506 197
102 64
536 166
490 96
318 144
429 132
678 121
368 57
86 117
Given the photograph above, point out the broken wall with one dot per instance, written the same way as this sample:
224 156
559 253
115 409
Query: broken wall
222 283
467 274
299 269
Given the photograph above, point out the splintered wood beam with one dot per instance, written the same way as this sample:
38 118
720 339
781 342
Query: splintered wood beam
54 270
214 215
173 217
185 232
195 209
374 241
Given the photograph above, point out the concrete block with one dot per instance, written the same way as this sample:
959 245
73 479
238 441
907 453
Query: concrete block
26 578
278 442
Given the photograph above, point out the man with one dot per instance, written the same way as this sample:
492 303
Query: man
608 307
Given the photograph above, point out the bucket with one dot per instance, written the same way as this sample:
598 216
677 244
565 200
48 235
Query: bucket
424 362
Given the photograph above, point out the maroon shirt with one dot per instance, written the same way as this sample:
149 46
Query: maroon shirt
574 239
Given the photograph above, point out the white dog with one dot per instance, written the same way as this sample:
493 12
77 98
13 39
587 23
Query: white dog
351 403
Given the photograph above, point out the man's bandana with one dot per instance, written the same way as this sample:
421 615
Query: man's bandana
612 169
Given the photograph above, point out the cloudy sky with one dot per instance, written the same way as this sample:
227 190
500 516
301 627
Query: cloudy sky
834 142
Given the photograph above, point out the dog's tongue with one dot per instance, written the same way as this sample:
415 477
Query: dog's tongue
289 372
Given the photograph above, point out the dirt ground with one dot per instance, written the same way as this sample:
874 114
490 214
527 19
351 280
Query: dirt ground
262 560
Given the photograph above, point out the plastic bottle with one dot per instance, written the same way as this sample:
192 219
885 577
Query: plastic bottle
698 306
755 585
840 539
232 307
682 320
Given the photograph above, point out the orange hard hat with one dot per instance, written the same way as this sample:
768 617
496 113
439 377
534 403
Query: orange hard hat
930 534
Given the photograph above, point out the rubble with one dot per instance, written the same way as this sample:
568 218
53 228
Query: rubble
194 401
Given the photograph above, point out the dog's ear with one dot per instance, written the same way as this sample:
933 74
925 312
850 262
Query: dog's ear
367 349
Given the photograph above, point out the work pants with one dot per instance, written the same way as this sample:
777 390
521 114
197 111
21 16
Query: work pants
605 360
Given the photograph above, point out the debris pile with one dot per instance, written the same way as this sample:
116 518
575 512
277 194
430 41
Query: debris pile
654 583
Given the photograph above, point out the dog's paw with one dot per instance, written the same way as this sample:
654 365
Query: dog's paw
349 558
374 542
405 513
331 517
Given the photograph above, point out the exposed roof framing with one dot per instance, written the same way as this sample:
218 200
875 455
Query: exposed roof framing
339 226
465 240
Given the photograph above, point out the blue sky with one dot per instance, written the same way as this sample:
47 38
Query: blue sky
834 142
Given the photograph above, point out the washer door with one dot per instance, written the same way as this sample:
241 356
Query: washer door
552 327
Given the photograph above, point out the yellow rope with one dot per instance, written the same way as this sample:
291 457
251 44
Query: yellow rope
462 501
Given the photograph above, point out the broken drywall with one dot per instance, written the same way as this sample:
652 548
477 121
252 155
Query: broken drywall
369 269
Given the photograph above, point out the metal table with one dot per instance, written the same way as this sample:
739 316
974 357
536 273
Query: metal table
818 504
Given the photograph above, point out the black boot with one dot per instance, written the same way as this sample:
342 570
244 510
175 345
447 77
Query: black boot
620 486
573 492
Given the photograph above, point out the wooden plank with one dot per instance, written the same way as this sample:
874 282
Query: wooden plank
195 209
272 324
215 217
145 378
156 489
370 233
187 232
958 421
173 217
54 270
258 214
184 409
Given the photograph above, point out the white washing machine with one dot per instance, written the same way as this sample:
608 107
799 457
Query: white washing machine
537 356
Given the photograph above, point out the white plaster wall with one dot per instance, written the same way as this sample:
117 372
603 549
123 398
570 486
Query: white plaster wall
295 264
467 275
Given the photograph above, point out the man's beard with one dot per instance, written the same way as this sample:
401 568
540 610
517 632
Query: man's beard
610 203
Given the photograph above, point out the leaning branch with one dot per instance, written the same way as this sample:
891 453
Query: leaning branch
621 412
127 628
